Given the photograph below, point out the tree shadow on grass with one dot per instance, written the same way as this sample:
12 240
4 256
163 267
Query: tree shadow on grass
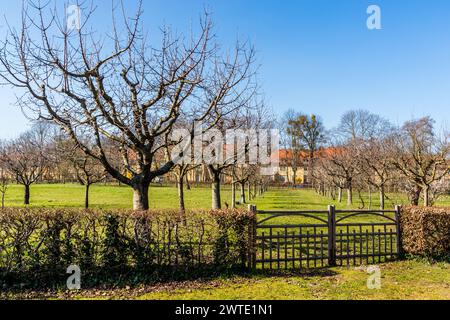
306 273
130 278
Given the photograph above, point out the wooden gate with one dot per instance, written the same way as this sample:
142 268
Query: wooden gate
314 239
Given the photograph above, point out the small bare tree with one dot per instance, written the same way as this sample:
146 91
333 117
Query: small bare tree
362 125
421 156
25 158
375 165
88 172
180 171
241 175
343 166
326 178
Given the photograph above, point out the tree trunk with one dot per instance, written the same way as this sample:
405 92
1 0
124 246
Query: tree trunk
203 176
294 177
233 195
180 194
349 195
340 195
242 192
415 195
3 200
333 194
86 196
26 198
249 191
426 196
382 197
216 202
370 198
188 184
310 168
140 196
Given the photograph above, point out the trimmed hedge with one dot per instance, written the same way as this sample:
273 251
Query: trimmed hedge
426 231
37 245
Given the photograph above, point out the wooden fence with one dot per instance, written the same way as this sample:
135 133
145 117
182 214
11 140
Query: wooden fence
323 238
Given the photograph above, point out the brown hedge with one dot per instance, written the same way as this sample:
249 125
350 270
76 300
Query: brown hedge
37 245
426 231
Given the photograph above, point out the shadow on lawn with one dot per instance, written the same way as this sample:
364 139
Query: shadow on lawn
124 278
307 273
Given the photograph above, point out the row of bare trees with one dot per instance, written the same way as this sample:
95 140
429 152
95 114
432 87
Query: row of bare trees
120 101
45 154
42 154
116 104
365 153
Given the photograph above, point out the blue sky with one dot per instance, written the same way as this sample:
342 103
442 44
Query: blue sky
316 56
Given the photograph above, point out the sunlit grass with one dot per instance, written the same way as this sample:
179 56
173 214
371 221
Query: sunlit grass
109 196
399 280
114 196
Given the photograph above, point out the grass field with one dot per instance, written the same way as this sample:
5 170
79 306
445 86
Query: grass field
108 196
405 280
399 280
410 279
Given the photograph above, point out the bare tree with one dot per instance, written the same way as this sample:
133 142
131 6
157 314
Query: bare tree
180 171
124 93
362 125
60 155
25 158
88 172
438 189
308 132
4 184
421 156
342 164
354 133
246 122
218 167
241 175
375 164
326 178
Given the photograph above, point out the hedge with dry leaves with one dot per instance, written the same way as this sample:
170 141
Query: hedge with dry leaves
37 245
426 231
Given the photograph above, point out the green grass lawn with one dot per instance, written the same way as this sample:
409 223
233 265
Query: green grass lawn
400 280
113 196
109 196
407 280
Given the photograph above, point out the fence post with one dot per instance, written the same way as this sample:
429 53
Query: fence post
398 224
331 236
252 239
